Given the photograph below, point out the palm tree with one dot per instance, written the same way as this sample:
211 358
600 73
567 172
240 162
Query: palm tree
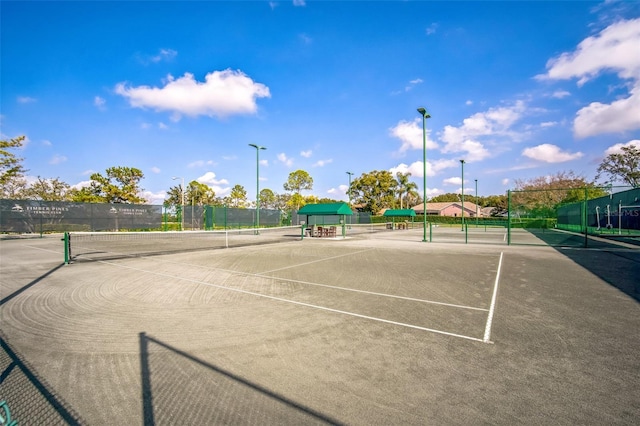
405 186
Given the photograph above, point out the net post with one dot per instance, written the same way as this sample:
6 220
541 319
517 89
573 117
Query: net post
430 232
67 249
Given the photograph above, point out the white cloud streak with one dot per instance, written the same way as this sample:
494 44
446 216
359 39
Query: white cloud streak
617 148
614 49
410 134
466 139
223 93
549 153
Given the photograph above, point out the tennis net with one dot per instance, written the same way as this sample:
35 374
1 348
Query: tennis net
114 245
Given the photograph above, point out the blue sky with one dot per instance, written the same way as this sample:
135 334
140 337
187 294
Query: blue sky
179 89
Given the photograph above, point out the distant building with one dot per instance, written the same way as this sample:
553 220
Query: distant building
452 209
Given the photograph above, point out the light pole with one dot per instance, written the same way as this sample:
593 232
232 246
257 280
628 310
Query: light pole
476 180
462 164
349 189
423 112
258 148
181 202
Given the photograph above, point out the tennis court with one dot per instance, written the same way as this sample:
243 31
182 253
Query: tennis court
377 328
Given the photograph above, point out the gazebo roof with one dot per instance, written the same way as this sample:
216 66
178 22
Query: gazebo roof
326 209
399 212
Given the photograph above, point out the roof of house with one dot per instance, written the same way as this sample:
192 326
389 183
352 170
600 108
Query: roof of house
326 209
471 207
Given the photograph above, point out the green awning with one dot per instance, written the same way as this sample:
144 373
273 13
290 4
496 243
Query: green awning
326 209
400 213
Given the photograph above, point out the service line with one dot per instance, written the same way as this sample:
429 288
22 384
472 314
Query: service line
487 330
323 308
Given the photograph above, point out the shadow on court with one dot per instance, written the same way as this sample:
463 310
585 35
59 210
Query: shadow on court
180 388
619 267
29 398
28 286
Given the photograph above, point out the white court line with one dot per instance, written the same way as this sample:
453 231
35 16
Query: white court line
317 261
373 293
323 308
487 330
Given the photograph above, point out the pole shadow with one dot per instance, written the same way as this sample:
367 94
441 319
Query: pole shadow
178 387
29 398
28 286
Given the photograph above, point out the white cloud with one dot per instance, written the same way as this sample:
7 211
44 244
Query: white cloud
99 102
410 133
505 181
154 197
431 29
162 126
165 54
223 93
496 122
200 163
82 184
162 55
322 163
155 170
306 154
417 171
46 142
469 102
548 124
282 157
559 94
616 149
618 116
614 49
25 99
57 159
220 186
452 181
412 83
305 39
299 3
549 153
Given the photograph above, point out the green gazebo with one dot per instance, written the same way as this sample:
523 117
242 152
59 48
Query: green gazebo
399 213
341 210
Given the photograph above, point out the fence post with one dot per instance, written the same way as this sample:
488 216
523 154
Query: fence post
509 217
584 217
466 233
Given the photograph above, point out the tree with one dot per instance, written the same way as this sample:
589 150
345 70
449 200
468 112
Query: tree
405 186
120 185
267 199
199 194
449 197
49 190
237 197
542 195
623 166
14 189
297 182
375 190
10 165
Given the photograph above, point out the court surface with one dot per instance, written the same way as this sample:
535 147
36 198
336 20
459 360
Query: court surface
373 330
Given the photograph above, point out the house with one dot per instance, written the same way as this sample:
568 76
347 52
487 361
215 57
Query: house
452 209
